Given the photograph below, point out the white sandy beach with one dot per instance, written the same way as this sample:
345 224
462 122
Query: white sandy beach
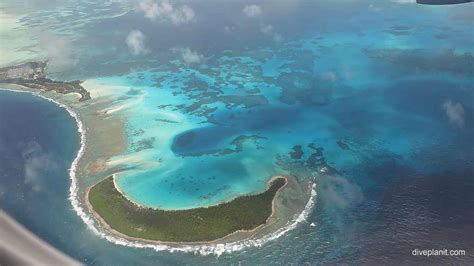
233 242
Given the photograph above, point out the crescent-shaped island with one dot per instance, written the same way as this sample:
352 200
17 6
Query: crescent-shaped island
192 225
160 132
96 194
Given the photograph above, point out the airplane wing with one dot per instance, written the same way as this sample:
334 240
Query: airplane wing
442 2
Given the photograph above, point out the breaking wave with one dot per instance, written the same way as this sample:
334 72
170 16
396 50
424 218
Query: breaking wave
205 249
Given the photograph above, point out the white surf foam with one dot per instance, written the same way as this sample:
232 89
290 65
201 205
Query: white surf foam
205 249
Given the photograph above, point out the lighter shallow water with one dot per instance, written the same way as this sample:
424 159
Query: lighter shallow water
365 82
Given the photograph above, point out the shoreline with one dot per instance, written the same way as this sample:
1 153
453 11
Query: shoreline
221 245
140 206
236 233
217 248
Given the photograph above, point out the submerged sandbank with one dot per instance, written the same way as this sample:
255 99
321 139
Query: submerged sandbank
106 138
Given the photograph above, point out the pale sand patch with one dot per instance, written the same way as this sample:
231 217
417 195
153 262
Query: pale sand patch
106 138
105 135
124 106
289 202
101 90
133 158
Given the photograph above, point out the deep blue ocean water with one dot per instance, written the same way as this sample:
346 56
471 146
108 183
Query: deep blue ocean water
372 84
404 206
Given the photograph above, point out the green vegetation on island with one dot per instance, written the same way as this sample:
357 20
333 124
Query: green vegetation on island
32 75
192 225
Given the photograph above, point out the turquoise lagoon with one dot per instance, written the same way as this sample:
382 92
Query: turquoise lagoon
367 87
359 86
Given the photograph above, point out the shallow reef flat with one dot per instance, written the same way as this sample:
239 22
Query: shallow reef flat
353 105
253 215
105 134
